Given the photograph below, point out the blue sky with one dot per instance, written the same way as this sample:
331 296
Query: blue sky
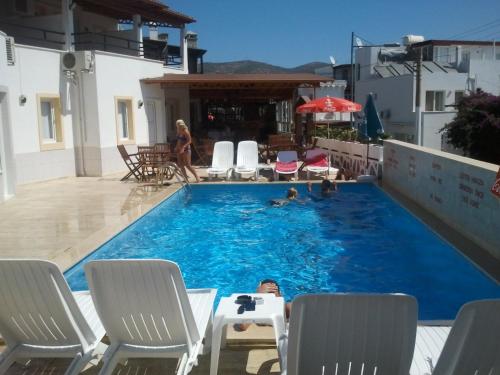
291 33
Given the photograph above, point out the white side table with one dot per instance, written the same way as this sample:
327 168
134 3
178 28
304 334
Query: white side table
271 311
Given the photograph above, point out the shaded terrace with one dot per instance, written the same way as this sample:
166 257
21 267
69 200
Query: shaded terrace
239 106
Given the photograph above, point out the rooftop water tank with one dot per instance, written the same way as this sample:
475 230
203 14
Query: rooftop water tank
412 39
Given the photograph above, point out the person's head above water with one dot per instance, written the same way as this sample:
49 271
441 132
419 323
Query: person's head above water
291 193
326 185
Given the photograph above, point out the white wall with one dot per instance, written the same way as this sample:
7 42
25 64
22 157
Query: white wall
487 74
394 94
453 188
397 95
7 161
432 123
88 110
37 71
448 82
118 75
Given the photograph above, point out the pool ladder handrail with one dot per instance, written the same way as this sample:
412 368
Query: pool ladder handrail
180 176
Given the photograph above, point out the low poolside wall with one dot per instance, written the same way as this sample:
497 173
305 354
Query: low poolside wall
352 155
454 188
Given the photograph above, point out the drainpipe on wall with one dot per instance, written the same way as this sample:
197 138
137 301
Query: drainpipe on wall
68 24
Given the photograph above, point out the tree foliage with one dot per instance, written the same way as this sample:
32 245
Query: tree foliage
476 127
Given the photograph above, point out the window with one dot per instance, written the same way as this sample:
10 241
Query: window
459 94
124 120
427 53
443 54
50 122
434 101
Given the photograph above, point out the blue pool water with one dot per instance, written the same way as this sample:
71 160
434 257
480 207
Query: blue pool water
360 240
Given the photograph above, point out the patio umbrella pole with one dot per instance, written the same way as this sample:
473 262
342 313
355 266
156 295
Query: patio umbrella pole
367 152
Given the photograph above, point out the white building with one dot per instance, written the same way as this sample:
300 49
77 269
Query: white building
70 85
450 69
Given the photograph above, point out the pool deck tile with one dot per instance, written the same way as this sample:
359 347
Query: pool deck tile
65 219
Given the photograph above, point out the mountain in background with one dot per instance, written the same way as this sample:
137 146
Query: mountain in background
249 66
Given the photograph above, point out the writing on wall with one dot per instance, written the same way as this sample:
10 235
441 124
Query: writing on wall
412 167
437 181
471 189
392 161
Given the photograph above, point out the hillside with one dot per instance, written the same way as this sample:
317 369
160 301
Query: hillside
249 66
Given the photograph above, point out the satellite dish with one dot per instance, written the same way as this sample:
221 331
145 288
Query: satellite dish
332 60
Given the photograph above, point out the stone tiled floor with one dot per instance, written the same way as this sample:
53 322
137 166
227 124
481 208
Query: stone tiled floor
64 219
235 361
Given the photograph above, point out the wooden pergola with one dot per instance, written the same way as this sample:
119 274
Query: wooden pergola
239 88
152 12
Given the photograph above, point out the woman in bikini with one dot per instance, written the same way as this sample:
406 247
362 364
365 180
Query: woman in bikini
183 149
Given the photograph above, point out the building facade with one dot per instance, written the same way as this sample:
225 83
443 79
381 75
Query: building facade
71 90
449 70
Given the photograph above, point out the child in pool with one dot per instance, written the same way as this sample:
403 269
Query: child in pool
291 195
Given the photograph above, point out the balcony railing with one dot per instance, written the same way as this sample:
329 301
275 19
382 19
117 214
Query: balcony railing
150 49
106 42
33 36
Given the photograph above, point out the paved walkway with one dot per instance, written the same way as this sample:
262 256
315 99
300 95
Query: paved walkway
63 220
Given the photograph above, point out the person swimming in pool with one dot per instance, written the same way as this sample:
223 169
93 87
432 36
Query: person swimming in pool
327 188
267 286
291 195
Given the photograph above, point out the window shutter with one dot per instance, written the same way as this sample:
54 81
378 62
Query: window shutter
11 53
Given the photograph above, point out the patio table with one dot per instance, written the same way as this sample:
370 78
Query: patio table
270 311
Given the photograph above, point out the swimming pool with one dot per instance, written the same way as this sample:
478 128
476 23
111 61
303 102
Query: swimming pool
360 240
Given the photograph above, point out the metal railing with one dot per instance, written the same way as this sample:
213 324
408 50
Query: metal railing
110 43
34 36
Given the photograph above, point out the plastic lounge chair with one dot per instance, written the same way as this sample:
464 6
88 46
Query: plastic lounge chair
317 161
473 345
132 162
41 318
247 158
222 160
286 163
147 311
350 334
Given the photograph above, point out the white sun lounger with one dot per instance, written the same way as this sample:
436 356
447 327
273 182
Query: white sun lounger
286 163
222 159
147 311
350 334
247 159
473 344
41 318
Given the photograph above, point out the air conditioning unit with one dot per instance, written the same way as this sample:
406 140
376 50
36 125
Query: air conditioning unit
77 61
